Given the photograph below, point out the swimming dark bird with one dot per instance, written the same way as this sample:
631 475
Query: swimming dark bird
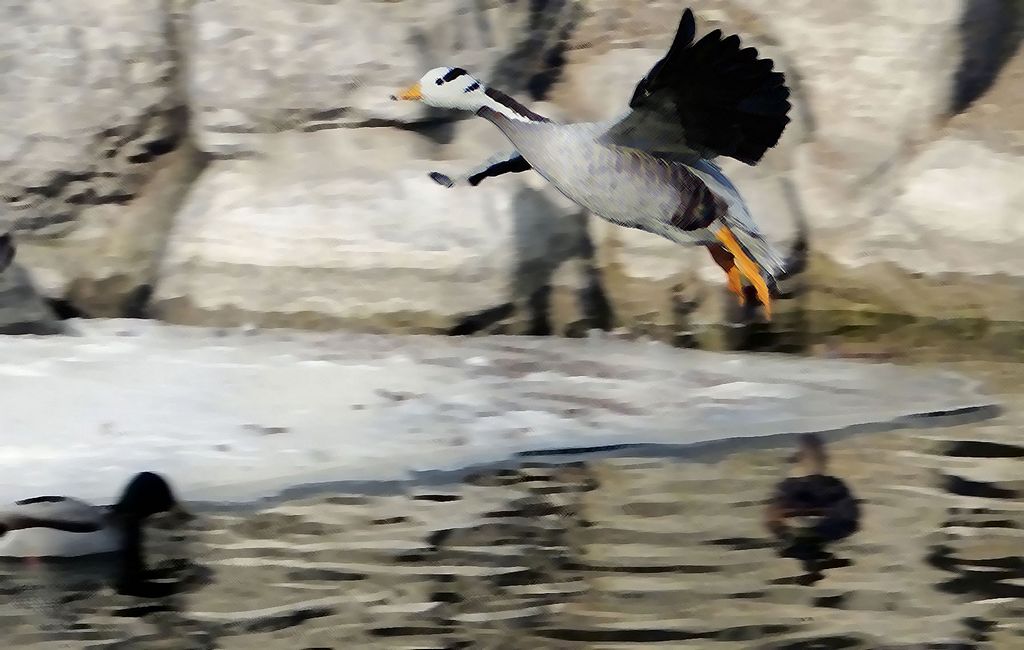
812 506
64 527
653 167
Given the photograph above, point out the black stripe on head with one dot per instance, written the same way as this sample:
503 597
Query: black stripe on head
454 73
471 87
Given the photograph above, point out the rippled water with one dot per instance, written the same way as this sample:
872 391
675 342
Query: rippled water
612 553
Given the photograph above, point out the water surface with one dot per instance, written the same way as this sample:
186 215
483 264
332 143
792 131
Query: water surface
606 553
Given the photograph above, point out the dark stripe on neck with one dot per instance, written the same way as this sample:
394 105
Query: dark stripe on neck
514 106
471 87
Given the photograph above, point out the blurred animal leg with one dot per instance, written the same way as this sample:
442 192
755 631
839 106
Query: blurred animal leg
748 267
507 162
725 260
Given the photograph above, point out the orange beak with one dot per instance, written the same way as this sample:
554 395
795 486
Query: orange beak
410 93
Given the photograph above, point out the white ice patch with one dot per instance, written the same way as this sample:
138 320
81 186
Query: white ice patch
238 415
745 390
24 370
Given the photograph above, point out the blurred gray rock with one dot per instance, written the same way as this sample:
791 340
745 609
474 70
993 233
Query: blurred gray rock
22 309
311 66
340 229
946 227
90 114
876 75
359 407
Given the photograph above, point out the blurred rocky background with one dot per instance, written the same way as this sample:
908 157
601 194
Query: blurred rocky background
205 162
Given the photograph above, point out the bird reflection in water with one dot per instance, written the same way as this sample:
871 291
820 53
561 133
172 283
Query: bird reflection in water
811 509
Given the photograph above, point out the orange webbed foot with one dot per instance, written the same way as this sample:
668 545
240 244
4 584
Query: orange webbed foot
725 260
747 267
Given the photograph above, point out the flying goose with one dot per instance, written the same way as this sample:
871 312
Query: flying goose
61 526
652 168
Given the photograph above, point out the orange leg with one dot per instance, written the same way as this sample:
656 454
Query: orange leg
748 268
725 260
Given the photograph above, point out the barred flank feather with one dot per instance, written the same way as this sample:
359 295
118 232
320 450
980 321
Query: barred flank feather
739 219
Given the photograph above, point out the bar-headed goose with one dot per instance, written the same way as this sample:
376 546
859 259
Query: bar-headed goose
652 168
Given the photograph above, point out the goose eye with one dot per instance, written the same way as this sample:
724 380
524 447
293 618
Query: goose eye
439 82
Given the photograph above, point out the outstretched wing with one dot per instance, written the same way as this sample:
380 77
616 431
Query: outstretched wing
61 513
709 98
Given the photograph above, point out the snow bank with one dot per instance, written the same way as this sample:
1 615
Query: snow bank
231 415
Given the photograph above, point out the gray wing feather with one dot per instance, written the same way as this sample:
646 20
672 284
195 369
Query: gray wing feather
55 512
653 129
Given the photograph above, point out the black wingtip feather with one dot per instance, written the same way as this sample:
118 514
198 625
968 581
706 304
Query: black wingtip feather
687 26
729 101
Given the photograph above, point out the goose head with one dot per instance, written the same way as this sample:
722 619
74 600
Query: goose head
447 88
147 494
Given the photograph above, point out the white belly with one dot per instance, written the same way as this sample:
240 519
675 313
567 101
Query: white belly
48 542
